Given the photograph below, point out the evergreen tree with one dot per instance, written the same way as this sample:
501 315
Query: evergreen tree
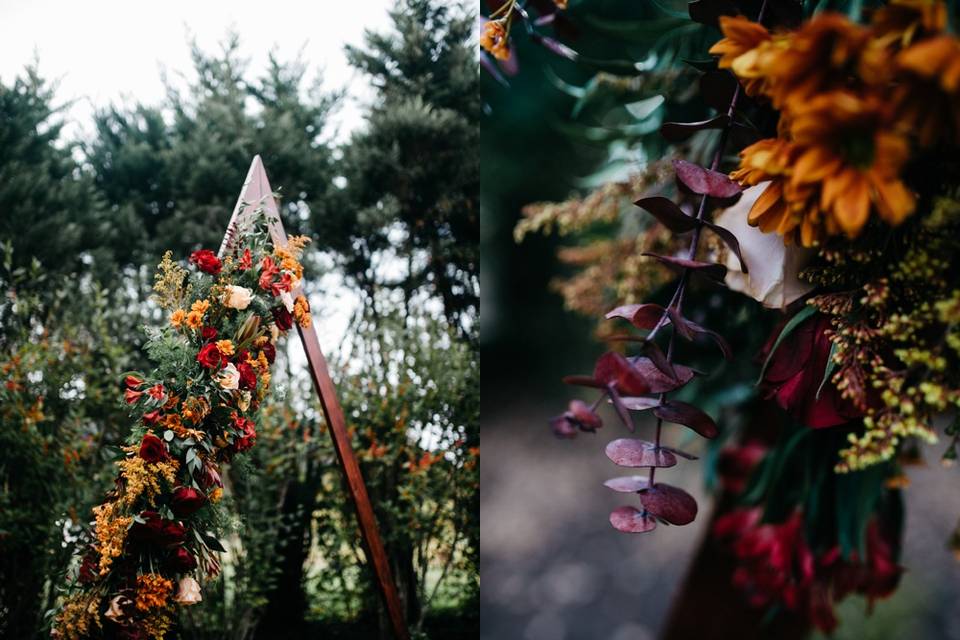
413 172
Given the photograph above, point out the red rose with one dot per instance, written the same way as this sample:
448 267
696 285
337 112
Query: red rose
248 377
207 261
131 396
89 568
157 530
795 372
210 357
246 432
181 560
186 501
282 317
269 351
208 333
153 449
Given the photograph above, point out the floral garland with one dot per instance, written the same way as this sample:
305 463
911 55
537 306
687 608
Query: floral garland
155 535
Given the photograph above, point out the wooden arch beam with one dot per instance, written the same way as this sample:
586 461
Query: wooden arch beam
256 193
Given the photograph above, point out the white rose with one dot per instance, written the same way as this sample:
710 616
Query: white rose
188 591
238 297
229 377
774 267
287 300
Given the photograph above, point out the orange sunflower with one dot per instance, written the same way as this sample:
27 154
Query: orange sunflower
742 49
928 97
842 161
825 53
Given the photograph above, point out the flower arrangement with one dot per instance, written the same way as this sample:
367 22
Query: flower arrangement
155 536
831 194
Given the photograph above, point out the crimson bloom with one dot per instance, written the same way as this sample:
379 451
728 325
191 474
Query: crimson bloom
795 372
208 333
157 530
246 433
282 317
131 396
153 449
248 377
207 261
181 560
210 357
132 382
269 351
186 501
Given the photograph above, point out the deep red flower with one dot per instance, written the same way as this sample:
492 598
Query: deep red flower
269 351
210 357
181 560
88 567
207 261
795 372
268 270
186 501
246 260
282 317
157 530
152 418
246 433
153 449
131 396
736 463
248 377
208 333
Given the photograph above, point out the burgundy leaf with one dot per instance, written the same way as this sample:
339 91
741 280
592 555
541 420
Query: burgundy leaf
614 369
658 381
563 427
628 452
668 213
690 328
669 503
717 87
583 381
680 131
681 325
584 415
730 240
621 409
642 316
660 360
628 484
705 181
631 520
640 403
708 269
709 11
687 415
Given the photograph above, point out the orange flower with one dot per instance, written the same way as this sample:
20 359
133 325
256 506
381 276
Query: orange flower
177 318
902 22
842 162
494 39
928 98
225 347
825 53
153 591
742 50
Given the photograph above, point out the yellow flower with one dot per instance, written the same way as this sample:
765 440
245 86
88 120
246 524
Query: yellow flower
216 495
177 318
225 347
301 312
742 48
928 98
111 533
197 311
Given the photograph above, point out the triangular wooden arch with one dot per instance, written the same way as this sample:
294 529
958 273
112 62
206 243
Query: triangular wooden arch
256 193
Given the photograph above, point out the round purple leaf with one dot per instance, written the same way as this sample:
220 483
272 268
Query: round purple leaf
630 520
669 503
629 452
628 484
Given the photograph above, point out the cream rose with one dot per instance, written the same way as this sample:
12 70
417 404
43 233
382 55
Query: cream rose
774 267
229 377
287 300
237 297
188 591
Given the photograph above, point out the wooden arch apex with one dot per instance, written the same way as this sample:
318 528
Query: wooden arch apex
257 193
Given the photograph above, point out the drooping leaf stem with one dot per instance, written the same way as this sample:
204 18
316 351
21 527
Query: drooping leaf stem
676 301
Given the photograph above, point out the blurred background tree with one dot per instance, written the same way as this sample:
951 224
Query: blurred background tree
393 211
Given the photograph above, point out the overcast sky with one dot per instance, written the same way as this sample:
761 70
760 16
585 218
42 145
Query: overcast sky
105 51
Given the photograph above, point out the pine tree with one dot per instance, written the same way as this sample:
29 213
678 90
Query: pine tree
413 172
